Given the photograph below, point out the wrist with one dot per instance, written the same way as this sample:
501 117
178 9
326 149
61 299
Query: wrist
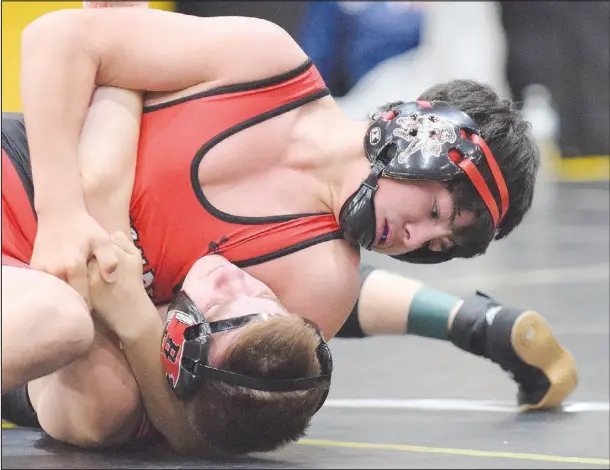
140 320
48 206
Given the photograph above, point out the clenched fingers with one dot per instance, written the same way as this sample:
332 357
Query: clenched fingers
76 276
108 261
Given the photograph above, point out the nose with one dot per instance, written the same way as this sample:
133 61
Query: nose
230 281
416 235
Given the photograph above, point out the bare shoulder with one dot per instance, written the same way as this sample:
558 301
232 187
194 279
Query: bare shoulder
320 283
192 49
259 48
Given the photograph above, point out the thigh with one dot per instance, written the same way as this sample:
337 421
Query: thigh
40 300
45 324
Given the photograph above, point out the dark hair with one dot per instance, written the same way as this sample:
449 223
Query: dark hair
235 420
507 134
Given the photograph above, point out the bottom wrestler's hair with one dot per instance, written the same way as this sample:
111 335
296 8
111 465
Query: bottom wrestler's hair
236 420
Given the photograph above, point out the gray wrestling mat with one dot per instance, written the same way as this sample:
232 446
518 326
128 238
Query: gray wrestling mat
416 403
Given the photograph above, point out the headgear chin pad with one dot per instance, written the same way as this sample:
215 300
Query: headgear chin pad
357 216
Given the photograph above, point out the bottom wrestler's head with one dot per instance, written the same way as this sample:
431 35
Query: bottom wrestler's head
250 374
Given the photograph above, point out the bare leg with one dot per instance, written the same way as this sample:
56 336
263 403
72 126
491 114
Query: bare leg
519 340
45 325
386 301
94 401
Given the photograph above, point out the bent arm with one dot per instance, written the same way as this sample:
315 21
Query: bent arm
66 53
107 154
101 406
141 341
107 157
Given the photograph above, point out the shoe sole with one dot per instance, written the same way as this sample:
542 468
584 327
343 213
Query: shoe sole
536 345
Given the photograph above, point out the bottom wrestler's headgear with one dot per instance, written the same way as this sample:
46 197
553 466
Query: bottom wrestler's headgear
185 346
420 140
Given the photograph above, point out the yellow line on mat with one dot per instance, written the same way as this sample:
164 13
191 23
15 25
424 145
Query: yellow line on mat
467 452
439 450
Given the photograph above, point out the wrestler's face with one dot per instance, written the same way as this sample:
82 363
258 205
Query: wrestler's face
410 214
221 290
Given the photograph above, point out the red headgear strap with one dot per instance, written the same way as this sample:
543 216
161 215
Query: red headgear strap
495 171
479 183
473 173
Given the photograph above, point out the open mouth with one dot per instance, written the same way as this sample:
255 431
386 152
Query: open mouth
384 235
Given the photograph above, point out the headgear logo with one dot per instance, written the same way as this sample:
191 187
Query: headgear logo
424 133
375 136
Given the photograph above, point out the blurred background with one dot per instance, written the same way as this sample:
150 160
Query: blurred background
552 57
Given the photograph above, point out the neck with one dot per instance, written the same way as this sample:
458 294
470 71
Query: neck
350 165
339 163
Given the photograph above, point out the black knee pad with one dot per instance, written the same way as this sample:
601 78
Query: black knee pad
17 408
351 327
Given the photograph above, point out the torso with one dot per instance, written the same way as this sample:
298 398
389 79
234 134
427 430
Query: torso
243 165
253 171
250 172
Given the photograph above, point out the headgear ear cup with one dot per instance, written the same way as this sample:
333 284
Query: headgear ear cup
185 345
325 359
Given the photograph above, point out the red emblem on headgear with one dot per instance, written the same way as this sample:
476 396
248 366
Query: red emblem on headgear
172 344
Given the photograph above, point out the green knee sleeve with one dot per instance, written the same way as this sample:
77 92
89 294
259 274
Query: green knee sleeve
429 313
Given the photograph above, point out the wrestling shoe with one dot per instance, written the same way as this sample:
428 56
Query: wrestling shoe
522 343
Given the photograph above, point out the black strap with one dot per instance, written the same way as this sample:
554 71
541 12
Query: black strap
17 408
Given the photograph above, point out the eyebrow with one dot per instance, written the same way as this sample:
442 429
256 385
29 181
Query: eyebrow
452 218
227 305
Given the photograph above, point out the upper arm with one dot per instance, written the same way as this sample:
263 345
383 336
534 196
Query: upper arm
93 401
325 286
156 50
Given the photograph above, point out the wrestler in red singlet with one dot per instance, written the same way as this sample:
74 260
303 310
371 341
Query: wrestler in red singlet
173 224
18 219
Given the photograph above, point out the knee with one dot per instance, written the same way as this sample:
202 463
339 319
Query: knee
70 316
74 323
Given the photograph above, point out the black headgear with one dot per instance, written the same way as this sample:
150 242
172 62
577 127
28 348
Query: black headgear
185 346
420 141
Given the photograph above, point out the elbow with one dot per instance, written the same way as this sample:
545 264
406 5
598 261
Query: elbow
58 29
93 430
46 27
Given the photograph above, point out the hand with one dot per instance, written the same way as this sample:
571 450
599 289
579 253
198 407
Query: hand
118 303
65 243
91 4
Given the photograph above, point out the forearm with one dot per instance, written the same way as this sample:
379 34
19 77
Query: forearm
107 155
141 344
57 80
